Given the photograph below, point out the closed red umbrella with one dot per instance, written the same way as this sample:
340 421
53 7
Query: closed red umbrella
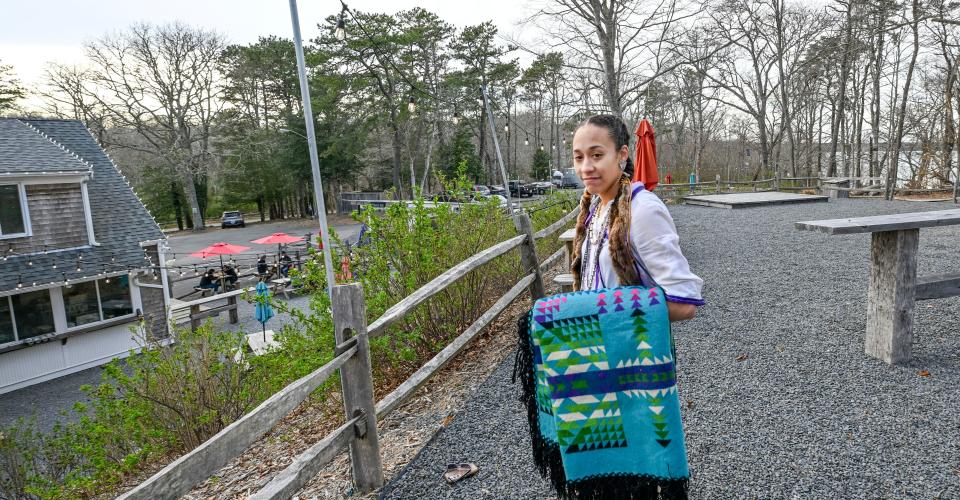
645 168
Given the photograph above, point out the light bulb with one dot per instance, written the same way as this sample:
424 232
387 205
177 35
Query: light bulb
341 31
411 105
526 141
456 121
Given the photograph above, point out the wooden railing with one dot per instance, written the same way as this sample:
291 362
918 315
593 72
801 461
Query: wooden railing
352 335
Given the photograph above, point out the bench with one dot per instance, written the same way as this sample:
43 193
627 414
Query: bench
281 285
197 310
565 281
894 287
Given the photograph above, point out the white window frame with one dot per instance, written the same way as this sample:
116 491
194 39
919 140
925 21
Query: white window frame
24 212
13 316
96 285
58 309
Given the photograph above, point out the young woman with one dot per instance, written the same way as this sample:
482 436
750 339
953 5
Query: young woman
624 231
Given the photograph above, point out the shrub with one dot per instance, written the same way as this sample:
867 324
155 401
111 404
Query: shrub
167 399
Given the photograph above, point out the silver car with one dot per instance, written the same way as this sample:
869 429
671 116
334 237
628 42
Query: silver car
232 219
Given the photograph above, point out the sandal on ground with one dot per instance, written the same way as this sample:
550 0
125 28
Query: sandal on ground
456 472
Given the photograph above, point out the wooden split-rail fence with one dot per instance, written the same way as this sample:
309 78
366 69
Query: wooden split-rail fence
352 358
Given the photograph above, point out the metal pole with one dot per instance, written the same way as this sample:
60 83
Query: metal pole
496 146
319 206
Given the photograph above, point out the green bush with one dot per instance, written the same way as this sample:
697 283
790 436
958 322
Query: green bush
167 399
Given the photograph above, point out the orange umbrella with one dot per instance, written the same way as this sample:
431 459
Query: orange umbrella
645 168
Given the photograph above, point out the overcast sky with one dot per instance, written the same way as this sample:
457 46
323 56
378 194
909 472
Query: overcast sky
35 32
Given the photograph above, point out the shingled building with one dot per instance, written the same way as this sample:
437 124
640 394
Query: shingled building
80 282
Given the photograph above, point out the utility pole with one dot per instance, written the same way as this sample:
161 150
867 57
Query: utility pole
319 206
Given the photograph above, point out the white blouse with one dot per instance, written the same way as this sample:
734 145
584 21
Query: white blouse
654 237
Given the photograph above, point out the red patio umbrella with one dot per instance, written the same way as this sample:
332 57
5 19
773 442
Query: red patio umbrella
220 249
279 239
645 167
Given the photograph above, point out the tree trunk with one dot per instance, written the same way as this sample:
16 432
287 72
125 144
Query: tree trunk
190 189
844 70
397 145
898 136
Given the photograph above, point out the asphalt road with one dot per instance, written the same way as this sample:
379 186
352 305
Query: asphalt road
183 243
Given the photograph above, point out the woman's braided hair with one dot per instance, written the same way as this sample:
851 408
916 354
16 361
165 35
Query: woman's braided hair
619 237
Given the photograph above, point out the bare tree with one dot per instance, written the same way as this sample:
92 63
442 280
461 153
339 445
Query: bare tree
916 17
626 43
160 82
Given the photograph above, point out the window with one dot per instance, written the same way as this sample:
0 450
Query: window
25 315
115 297
12 210
80 303
100 300
6 322
32 314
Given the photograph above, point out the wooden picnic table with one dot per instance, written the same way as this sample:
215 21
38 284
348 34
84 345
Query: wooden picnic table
894 287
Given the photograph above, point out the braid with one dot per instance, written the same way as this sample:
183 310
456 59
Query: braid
580 235
619 236
619 242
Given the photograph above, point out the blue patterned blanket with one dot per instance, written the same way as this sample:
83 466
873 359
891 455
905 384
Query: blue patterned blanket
599 382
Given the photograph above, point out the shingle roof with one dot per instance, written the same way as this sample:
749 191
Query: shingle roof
120 221
24 151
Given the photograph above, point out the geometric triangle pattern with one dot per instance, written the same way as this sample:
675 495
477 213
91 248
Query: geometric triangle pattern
605 389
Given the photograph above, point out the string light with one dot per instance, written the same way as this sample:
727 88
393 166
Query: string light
341 31
456 118
526 141
19 282
411 105
541 146
506 128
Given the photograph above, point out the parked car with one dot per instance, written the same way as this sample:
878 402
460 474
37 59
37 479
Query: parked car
232 218
481 190
497 189
541 187
570 180
519 189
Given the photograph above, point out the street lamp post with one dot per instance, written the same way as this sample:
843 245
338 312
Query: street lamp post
319 205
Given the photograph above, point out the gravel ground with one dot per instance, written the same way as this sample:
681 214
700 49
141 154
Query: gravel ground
779 399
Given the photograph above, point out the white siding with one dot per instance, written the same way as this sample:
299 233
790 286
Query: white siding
35 364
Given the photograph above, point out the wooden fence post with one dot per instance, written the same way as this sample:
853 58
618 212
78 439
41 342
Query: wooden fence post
194 321
356 380
528 255
232 313
718 183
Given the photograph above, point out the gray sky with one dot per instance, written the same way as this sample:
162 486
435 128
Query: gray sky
37 32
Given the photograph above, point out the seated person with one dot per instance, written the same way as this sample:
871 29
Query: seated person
230 276
285 264
209 281
262 266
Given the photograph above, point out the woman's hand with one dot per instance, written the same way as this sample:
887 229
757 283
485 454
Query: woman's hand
681 312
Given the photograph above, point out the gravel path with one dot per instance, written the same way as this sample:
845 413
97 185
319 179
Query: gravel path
805 413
